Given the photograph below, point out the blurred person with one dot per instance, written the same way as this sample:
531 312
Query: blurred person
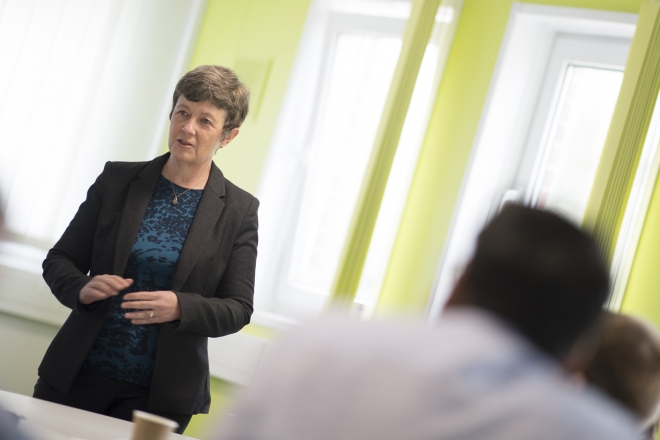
626 366
9 426
159 257
488 370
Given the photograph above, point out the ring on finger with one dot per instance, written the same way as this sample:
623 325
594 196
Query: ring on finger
151 313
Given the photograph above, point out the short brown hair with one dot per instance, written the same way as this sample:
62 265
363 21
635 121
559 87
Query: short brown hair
218 85
627 364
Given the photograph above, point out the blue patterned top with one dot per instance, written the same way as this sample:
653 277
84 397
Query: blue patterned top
123 350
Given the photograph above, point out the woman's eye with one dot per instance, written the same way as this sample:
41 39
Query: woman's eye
182 112
206 121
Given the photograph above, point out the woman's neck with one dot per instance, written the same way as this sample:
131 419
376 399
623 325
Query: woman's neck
186 175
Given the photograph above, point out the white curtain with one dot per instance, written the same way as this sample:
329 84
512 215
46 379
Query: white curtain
81 82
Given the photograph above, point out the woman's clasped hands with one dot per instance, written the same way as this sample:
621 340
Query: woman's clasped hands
144 307
154 307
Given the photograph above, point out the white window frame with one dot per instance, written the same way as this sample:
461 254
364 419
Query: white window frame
596 52
506 118
289 152
338 22
291 141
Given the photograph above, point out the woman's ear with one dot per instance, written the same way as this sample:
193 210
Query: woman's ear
229 137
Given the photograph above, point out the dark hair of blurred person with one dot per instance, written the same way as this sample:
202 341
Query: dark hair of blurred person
539 273
626 365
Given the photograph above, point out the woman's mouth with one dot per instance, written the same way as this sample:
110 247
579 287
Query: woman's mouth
184 143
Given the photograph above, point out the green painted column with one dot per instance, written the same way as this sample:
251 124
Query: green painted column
415 38
642 296
627 134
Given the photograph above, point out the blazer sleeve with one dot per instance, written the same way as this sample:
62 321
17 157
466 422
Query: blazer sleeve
231 307
68 262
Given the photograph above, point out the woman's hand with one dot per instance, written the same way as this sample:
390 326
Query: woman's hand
101 287
155 307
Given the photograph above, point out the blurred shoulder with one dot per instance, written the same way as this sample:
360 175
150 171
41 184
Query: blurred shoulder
584 414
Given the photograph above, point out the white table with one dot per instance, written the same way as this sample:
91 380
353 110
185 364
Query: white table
47 420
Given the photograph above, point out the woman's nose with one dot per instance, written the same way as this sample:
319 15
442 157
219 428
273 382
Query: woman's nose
187 127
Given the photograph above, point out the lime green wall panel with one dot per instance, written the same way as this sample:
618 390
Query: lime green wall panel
643 291
642 297
627 133
447 147
440 170
258 32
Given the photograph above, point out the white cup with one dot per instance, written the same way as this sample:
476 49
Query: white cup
151 427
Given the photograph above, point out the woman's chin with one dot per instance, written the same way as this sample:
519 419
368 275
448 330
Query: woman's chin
183 155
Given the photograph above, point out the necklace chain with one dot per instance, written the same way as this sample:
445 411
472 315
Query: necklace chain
175 200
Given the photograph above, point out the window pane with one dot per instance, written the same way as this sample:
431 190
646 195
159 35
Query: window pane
359 79
575 139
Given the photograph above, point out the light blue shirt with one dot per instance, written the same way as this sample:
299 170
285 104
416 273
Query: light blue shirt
469 378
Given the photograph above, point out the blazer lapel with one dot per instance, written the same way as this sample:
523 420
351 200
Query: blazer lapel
139 195
208 213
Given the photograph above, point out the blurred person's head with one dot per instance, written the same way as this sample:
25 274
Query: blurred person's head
626 364
539 273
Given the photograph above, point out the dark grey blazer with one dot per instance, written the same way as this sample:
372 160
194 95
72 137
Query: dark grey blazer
214 279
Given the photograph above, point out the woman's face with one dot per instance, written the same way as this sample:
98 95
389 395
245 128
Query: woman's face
196 131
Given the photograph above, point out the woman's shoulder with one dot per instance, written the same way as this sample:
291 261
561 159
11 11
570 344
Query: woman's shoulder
229 191
125 167
236 191
131 170
239 199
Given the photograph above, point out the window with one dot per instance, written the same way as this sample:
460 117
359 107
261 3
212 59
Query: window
83 83
544 124
360 70
571 120
569 157
309 188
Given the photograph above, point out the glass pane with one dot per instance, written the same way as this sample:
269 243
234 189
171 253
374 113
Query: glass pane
357 86
575 139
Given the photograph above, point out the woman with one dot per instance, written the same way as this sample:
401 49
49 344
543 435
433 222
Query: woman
159 257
